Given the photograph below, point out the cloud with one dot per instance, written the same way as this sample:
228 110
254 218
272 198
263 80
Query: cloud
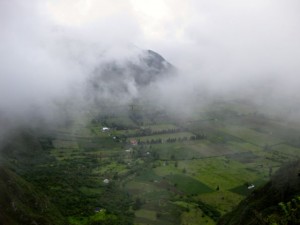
44 62
49 48
231 45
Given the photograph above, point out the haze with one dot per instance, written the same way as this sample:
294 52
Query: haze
227 48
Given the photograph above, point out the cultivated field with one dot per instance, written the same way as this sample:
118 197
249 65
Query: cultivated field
173 171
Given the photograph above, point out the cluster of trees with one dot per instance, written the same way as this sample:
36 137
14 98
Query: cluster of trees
120 126
209 210
148 132
152 141
62 181
171 140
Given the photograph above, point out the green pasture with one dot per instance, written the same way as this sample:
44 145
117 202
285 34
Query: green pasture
222 200
188 184
161 127
205 148
111 168
97 130
147 214
193 150
90 191
65 144
169 151
147 175
164 137
167 168
251 136
62 154
156 196
239 149
121 133
287 149
121 121
220 172
194 216
243 189
138 188
96 143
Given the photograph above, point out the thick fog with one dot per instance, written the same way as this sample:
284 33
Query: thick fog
51 49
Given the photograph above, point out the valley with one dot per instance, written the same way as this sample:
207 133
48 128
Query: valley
143 166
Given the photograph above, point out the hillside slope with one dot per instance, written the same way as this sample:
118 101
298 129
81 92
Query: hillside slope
276 203
21 203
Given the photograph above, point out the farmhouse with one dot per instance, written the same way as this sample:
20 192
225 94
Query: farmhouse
106 181
251 186
133 142
105 129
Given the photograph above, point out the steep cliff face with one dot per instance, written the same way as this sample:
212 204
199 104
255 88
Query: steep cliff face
278 202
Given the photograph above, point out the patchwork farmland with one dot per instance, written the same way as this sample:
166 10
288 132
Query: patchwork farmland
168 170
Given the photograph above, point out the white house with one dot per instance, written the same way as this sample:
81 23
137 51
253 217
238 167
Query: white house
105 129
106 181
251 186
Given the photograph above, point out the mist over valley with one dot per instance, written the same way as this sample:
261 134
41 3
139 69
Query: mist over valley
131 112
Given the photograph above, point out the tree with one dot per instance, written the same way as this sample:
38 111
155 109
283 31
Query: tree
137 204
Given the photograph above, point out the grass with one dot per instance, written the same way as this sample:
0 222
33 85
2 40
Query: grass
243 157
231 155
242 147
78 220
188 184
148 175
222 200
130 132
287 149
63 154
195 216
110 168
156 195
120 120
147 214
191 150
164 137
90 191
207 149
141 188
160 127
220 172
167 168
250 136
65 144
170 151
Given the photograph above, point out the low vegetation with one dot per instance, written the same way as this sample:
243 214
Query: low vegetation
150 168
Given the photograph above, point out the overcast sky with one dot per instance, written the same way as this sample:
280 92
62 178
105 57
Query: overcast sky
48 47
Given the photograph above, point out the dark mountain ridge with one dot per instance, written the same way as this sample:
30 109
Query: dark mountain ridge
116 79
